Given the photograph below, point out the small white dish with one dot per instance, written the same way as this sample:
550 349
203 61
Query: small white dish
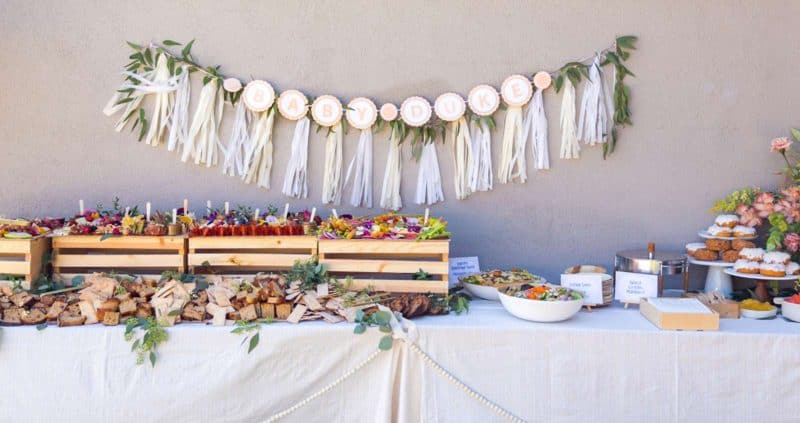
481 291
791 311
540 311
759 314
706 235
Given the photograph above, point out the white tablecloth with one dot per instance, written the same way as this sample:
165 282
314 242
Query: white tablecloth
605 365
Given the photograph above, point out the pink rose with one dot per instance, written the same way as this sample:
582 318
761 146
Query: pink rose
763 204
792 193
780 144
748 216
792 242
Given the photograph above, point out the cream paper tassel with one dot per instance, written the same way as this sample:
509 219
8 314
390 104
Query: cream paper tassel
481 177
570 149
259 157
162 108
459 138
239 144
179 126
148 82
390 193
535 126
594 122
295 182
429 180
359 172
512 155
204 132
332 176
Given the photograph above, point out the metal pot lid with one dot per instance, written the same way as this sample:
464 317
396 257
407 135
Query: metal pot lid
666 258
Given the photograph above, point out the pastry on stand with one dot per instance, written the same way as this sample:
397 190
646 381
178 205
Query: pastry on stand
724 241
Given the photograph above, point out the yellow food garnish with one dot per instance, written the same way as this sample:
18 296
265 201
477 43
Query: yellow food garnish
752 304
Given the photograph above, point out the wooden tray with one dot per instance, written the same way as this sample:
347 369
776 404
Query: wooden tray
23 257
388 265
250 254
136 254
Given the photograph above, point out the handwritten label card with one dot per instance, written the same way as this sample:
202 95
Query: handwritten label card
591 284
462 266
632 287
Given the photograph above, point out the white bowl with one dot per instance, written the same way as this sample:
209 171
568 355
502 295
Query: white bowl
759 314
481 291
540 311
791 311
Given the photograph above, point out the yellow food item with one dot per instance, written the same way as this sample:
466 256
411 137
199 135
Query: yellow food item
751 304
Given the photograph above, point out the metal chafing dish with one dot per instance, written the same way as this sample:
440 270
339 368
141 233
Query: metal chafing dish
654 263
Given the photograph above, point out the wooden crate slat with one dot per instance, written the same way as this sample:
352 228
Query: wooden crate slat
395 285
117 260
23 257
119 242
15 246
354 266
339 246
18 267
253 242
245 259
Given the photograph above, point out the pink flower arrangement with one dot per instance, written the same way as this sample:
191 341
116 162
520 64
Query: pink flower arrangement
792 242
780 144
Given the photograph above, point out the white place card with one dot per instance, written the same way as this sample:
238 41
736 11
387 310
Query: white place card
632 287
591 284
462 266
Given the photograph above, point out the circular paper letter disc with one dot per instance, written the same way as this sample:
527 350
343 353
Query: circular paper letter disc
449 107
327 110
361 113
483 100
258 95
416 111
516 90
293 105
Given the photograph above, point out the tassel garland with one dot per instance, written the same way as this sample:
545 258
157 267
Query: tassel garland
360 172
179 126
239 144
164 98
535 126
204 132
429 180
481 173
570 149
460 139
295 183
512 155
594 123
390 193
332 174
259 157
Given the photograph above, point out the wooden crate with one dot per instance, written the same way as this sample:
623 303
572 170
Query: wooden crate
23 257
250 254
388 265
134 254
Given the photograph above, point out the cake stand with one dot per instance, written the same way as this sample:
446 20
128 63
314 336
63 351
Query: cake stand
716 279
761 282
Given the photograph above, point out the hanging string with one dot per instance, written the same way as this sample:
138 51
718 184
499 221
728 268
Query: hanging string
360 172
535 125
295 183
239 144
481 177
570 149
429 180
594 123
390 193
204 132
179 127
461 141
332 174
259 158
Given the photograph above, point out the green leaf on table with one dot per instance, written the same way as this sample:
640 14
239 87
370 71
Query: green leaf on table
135 345
41 326
359 329
77 280
106 236
153 358
385 328
173 313
382 317
253 343
386 343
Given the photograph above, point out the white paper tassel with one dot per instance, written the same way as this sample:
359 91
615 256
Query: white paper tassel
512 155
429 181
360 172
535 126
295 182
179 127
461 141
390 193
204 132
259 157
148 82
481 177
239 144
570 149
332 176
594 122
162 108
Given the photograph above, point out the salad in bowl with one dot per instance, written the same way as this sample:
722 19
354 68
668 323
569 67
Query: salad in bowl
485 284
541 302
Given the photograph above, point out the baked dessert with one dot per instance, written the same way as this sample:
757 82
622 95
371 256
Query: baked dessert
773 270
739 244
752 254
742 231
793 268
746 266
716 230
727 220
718 244
777 257
705 254
694 246
729 255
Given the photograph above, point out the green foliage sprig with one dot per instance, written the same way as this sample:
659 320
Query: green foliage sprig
310 272
247 329
380 319
733 200
145 346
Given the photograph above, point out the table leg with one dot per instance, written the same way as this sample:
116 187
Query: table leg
718 280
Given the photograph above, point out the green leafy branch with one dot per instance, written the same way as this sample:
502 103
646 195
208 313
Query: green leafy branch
310 272
154 335
733 200
247 329
380 319
622 93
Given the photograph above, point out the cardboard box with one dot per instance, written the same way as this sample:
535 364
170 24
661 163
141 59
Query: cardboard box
726 310
679 314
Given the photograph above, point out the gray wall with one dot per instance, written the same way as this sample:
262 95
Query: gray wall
715 82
